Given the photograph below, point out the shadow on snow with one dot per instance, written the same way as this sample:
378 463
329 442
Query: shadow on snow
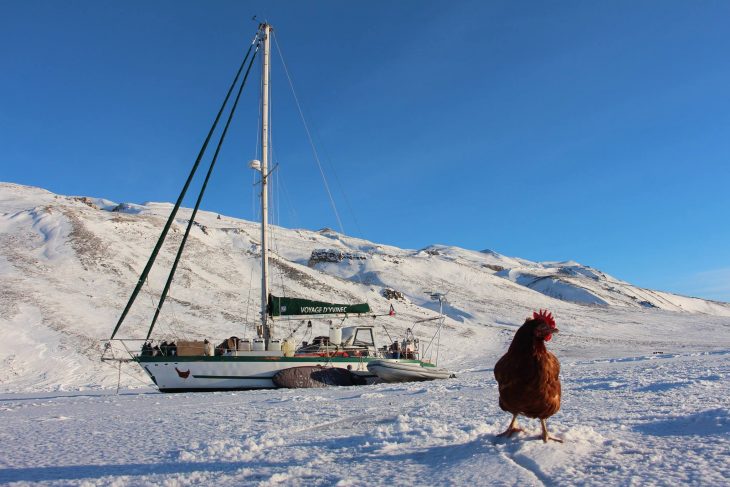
710 422
78 472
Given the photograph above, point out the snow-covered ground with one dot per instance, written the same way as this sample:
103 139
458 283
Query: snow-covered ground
639 420
646 399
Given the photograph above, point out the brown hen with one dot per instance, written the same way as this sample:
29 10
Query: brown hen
527 375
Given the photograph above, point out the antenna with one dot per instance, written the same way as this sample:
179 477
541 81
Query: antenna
441 298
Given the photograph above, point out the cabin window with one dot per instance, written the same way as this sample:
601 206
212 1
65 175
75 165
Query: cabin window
364 337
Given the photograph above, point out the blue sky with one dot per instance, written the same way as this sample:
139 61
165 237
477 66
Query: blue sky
591 131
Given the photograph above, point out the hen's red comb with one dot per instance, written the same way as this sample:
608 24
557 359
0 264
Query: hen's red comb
545 316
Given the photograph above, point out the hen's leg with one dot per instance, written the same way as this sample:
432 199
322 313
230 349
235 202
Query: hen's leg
545 435
512 428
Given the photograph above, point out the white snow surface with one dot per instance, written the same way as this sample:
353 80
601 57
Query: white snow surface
646 396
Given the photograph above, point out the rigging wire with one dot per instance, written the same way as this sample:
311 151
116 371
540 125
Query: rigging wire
332 169
309 136
357 276
255 211
191 221
257 216
274 197
248 301
273 187
146 384
171 218
148 290
293 215
173 321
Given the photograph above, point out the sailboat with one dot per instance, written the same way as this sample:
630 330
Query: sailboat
236 364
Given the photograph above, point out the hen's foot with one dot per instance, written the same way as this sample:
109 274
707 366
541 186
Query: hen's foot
509 432
546 438
545 435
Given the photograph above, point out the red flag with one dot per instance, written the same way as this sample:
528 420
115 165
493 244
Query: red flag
392 311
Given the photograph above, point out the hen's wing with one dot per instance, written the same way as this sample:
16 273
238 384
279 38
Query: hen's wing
505 371
549 388
510 382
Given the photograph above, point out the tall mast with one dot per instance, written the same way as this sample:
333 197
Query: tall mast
266 31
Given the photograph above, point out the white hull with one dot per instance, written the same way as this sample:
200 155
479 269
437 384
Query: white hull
400 371
230 372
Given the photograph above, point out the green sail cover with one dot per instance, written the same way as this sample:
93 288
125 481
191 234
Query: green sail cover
298 307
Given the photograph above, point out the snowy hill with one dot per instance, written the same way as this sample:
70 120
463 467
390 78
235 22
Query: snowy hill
642 371
68 265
